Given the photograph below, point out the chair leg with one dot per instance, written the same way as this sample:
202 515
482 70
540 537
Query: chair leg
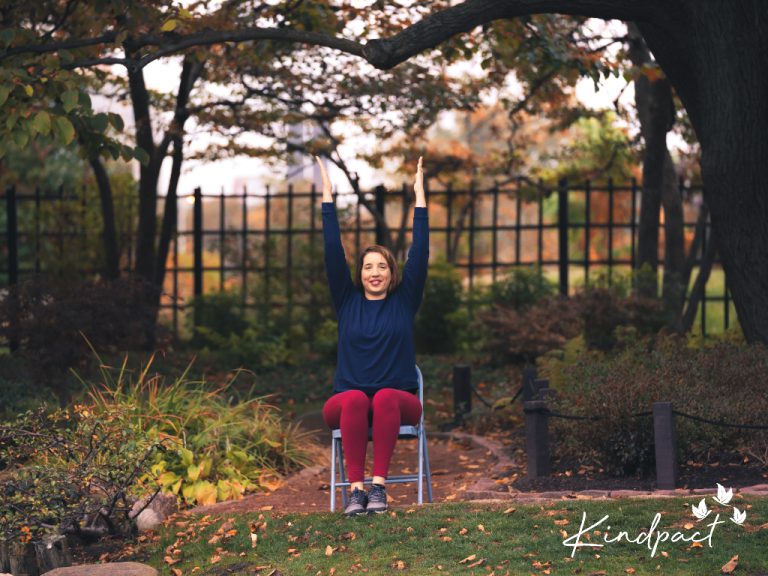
342 473
333 475
421 466
426 466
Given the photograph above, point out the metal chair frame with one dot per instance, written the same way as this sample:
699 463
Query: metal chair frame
417 431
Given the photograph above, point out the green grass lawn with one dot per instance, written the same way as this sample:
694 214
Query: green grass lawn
468 538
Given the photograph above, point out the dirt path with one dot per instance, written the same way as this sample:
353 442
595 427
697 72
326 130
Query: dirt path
456 464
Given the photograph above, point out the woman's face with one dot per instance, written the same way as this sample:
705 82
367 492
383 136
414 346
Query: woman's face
375 276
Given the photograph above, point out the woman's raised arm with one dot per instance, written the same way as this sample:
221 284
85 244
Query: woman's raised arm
339 280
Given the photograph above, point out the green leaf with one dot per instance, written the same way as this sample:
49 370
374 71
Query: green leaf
85 100
69 100
41 123
141 155
21 137
170 25
193 472
187 457
100 122
117 121
65 129
4 91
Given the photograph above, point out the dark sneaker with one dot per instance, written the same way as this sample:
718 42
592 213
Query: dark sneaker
377 499
357 503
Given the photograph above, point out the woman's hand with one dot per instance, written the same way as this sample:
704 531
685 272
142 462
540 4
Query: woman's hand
327 188
418 186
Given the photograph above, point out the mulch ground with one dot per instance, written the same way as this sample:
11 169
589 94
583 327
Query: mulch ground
455 467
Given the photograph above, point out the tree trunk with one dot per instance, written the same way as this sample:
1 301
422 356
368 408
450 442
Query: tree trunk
655 110
111 251
716 55
674 285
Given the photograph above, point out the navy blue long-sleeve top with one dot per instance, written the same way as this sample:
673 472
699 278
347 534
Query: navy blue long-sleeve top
376 348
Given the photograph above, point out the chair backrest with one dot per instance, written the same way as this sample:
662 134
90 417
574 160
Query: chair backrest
421 394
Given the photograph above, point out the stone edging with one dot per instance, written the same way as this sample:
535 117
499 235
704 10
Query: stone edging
483 490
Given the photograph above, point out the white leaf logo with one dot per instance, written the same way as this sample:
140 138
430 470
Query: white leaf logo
738 516
723 496
700 511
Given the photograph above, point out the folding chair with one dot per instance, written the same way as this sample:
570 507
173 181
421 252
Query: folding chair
417 431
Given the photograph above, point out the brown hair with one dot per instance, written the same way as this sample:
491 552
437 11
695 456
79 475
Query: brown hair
394 281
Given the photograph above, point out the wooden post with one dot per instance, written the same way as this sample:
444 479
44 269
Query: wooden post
23 561
462 391
52 552
5 560
537 438
529 376
665 441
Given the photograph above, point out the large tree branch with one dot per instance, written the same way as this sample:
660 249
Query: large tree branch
382 53
440 26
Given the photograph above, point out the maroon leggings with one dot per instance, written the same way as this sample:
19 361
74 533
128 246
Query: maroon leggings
353 411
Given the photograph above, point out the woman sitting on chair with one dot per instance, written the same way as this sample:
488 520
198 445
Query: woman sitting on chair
376 377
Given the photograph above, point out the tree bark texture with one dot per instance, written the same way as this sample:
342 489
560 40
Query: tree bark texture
716 55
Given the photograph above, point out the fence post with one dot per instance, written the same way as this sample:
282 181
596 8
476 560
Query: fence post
13 266
665 441
197 244
380 236
462 391
562 228
529 377
537 438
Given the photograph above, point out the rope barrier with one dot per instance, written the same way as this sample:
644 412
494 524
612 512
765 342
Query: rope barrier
718 422
551 413
548 412
483 400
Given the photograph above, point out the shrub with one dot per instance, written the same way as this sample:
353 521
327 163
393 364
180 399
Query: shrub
513 335
521 289
440 320
53 317
524 332
724 382
219 446
69 468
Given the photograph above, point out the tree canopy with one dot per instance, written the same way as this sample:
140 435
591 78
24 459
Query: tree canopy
713 54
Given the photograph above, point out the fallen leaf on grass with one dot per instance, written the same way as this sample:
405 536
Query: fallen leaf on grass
468 559
509 510
463 531
329 550
214 559
561 522
170 561
476 564
265 508
348 536
176 572
398 565
688 526
731 565
630 570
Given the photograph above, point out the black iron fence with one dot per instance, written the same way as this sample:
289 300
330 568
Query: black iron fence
267 246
